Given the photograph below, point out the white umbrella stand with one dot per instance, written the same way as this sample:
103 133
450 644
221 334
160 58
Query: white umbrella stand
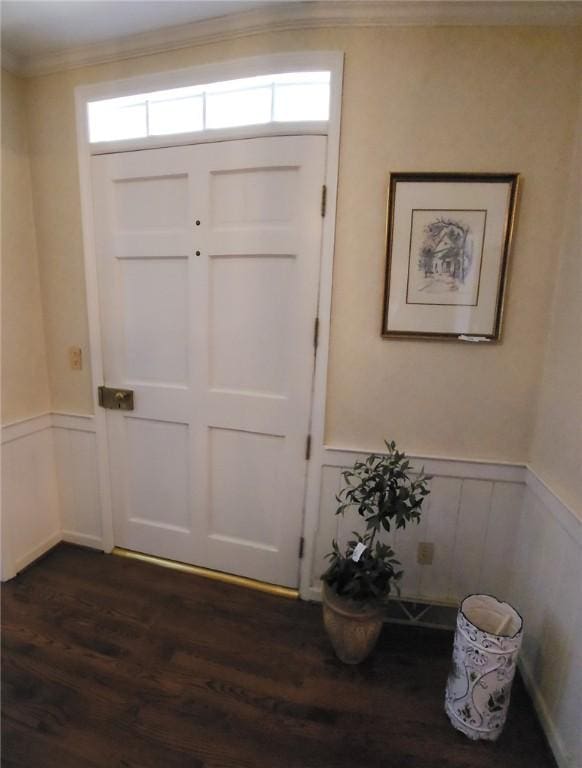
487 641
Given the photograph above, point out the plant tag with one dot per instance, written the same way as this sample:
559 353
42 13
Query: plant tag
358 551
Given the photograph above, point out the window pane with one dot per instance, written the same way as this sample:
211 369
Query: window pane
112 121
225 110
301 102
175 93
285 97
297 78
178 116
242 84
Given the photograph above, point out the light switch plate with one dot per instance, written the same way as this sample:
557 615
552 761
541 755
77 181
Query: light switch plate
76 358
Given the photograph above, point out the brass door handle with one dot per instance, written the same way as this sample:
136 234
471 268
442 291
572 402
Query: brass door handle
116 399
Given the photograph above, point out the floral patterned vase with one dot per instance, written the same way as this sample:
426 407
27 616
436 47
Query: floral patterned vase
487 642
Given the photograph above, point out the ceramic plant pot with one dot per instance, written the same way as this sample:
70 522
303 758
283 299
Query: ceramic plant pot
485 654
352 627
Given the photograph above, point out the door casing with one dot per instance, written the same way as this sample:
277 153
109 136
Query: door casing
268 64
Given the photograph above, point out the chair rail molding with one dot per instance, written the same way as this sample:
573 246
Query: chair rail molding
16 430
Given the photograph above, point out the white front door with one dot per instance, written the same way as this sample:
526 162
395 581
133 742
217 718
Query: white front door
208 260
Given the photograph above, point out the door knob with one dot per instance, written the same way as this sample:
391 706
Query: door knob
116 399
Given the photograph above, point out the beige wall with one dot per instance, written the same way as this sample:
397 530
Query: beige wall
483 99
557 444
25 390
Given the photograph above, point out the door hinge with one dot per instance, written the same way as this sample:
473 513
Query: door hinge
316 333
308 448
301 547
323 200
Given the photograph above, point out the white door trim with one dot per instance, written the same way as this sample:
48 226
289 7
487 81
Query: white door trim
268 64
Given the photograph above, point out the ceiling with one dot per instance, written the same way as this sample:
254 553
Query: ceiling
36 27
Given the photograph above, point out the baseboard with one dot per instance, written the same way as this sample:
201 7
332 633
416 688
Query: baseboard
312 594
71 537
83 539
546 721
409 610
38 551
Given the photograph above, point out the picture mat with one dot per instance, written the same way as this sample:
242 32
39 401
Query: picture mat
471 320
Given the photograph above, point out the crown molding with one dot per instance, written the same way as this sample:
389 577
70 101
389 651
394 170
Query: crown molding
311 15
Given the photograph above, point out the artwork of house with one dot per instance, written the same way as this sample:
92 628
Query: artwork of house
448 250
445 257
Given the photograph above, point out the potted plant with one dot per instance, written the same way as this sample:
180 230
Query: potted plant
358 581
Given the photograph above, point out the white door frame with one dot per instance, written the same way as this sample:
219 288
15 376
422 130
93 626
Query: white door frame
261 65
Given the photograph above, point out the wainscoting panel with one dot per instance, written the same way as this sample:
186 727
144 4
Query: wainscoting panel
546 587
472 521
30 500
497 561
76 460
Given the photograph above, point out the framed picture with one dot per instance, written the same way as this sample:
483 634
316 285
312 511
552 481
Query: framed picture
448 240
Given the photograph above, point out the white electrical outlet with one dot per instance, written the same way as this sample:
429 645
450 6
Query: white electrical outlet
425 553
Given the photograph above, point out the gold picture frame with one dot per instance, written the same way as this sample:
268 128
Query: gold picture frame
448 239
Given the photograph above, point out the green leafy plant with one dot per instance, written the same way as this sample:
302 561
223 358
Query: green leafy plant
385 494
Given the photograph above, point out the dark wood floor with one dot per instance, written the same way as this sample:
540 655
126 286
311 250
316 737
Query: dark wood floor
113 663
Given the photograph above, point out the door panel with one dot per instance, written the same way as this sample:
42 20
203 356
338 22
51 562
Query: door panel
211 324
161 497
248 343
245 473
155 319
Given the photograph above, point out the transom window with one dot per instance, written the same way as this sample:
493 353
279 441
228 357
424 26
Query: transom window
289 97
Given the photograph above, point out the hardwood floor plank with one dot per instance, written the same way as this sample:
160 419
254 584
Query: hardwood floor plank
111 662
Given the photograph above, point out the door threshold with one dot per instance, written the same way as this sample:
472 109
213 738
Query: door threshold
208 573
